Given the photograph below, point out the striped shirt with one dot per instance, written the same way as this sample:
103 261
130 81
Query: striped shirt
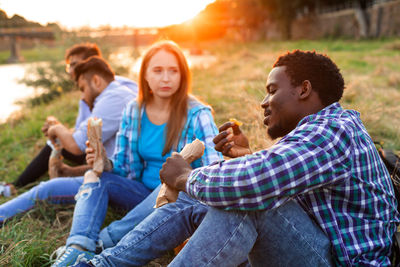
199 124
329 164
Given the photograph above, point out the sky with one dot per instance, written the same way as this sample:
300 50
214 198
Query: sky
117 13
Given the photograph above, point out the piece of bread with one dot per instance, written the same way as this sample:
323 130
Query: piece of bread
235 121
55 162
95 141
190 153
56 158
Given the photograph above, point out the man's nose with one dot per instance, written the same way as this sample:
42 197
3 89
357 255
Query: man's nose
265 101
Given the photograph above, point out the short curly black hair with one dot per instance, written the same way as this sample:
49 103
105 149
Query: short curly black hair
319 69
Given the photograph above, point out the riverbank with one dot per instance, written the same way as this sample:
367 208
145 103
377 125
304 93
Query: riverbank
38 53
234 85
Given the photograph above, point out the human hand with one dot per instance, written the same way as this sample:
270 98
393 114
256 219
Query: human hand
90 157
52 134
175 171
50 121
61 169
230 141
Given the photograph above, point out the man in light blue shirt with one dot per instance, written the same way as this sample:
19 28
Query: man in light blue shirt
39 165
106 99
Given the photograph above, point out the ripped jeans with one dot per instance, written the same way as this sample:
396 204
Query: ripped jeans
91 206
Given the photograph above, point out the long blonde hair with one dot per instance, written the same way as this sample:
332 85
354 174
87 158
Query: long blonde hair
179 101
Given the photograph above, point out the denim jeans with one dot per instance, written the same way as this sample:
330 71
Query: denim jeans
116 230
164 229
92 203
285 236
55 191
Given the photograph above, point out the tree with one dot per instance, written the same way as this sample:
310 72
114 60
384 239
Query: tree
3 15
360 7
362 17
285 12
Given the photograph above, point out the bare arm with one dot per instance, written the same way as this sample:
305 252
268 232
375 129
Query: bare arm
73 171
64 135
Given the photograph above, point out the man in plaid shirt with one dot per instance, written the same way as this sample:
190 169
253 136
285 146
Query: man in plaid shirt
321 196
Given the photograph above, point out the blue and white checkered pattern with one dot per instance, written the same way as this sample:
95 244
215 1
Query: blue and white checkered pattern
329 164
199 124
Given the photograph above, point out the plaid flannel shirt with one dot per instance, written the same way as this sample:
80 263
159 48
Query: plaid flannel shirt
329 164
199 124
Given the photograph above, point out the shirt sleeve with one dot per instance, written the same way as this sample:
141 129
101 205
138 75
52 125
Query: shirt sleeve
120 158
83 113
304 160
206 130
109 109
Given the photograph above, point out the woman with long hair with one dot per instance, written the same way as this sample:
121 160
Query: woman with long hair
163 119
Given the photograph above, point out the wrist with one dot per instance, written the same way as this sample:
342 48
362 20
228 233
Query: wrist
182 180
63 168
108 165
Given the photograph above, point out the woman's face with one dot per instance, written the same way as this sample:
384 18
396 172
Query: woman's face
163 74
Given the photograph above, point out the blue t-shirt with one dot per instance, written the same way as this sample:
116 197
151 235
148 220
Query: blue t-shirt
151 145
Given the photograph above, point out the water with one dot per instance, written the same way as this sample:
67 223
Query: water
12 91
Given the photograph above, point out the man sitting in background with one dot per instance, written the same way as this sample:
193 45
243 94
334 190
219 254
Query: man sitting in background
106 99
73 144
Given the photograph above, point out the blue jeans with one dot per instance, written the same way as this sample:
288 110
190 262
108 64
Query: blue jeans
164 229
285 236
55 191
114 232
92 203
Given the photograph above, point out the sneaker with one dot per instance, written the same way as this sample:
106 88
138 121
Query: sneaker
7 190
58 253
73 256
83 264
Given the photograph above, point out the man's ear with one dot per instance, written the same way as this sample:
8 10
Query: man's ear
306 89
98 82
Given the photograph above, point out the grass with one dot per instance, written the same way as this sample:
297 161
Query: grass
234 86
38 53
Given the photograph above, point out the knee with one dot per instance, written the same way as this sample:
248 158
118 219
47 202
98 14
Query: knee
86 189
91 183
90 177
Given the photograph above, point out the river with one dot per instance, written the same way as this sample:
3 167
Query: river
12 91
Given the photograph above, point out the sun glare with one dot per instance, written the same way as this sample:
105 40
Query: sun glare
116 13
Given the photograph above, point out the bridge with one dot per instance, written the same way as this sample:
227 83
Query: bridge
28 33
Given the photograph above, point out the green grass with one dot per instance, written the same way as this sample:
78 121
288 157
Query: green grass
234 86
38 53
